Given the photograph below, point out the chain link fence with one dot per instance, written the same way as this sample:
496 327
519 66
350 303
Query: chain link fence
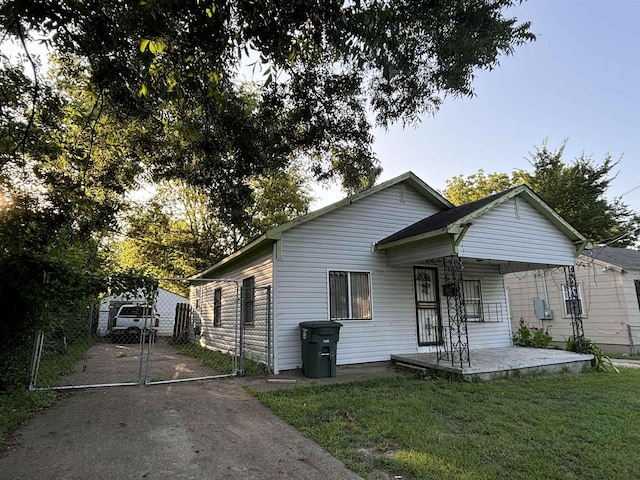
192 330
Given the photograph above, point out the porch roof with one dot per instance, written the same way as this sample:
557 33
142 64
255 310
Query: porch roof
454 221
441 219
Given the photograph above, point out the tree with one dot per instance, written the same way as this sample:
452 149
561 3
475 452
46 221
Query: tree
62 179
577 191
156 88
178 67
177 233
462 189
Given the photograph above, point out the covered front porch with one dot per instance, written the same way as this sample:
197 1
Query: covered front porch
490 363
459 257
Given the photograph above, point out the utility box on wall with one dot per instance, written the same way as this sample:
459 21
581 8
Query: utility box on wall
543 312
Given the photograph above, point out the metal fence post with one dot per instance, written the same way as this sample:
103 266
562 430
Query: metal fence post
269 365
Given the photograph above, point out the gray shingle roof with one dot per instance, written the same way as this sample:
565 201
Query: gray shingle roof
624 258
442 218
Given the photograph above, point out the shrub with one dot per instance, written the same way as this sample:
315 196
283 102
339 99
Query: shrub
600 361
534 337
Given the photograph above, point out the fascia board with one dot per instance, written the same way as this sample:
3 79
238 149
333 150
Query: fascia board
415 238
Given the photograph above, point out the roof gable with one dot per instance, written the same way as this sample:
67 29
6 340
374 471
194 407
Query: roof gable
455 219
408 178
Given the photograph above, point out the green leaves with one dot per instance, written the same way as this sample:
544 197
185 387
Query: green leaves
156 47
400 59
576 190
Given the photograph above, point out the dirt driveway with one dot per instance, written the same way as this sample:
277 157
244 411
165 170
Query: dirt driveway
195 430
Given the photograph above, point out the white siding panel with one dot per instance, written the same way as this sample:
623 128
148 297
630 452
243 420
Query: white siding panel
343 239
490 334
411 255
500 234
224 337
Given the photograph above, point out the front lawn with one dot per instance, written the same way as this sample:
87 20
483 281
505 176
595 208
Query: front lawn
583 426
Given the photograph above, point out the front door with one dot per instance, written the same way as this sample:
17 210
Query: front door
429 320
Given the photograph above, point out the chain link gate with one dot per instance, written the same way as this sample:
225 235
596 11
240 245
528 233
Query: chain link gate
225 325
194 330
71 352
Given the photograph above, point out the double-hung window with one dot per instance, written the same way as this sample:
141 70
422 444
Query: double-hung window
217 307
473 300
567 303
349 295
248 295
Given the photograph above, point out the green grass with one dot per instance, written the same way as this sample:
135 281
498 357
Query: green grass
222 363
18 404
54 366
565 426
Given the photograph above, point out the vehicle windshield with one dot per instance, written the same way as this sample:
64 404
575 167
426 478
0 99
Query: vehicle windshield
135 311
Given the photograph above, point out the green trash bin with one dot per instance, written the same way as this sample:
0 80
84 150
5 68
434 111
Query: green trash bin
319 347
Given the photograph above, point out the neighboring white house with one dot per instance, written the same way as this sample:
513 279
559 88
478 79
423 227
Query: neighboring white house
398 265
609 299
165 304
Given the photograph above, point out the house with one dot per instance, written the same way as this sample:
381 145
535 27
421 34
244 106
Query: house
165 305
398 265
608 282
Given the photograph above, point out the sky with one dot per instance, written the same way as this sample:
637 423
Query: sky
580 80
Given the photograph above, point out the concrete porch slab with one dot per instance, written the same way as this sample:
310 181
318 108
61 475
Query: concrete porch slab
495 362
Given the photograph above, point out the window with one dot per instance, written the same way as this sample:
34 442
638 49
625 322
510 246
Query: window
567 301
473 300
248 295
349 296
217 307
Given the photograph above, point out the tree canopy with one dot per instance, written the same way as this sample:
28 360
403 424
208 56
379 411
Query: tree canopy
176 233
180 65
576 190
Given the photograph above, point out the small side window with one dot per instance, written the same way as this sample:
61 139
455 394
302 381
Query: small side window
217 307
248 295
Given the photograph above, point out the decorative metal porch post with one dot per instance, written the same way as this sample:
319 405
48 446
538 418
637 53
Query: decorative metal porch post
456 311
574 308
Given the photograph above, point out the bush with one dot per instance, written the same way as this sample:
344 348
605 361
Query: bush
531 337
600 361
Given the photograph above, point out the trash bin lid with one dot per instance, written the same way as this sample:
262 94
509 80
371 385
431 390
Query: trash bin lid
319 324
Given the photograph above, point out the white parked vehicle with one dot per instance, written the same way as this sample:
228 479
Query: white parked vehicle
133 320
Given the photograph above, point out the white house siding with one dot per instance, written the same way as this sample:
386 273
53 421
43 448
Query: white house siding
490 334
165 304
502 234
415 254
343 240
224 337
608 297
